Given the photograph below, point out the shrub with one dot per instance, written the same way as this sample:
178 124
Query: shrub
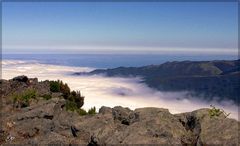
81 112
79 99
74 93
47 96
92 111
64 89
215 112
71 106
54 86
76 97
22 99
59 86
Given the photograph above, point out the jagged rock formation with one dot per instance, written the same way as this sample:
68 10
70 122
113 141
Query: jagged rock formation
47 122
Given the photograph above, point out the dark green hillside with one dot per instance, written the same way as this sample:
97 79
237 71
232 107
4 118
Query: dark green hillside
206 78
169 69
223 86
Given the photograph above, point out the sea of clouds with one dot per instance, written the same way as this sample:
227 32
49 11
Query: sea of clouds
111 91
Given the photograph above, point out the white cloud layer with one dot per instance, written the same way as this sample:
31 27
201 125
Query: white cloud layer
99 90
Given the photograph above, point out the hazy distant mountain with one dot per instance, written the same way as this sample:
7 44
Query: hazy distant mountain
208 79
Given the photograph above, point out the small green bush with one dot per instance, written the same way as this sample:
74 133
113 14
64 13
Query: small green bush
82 112
59 86
92 111
22 99
71 106
64 89
76 97
215 112
79 99
47 96
74 93
54 86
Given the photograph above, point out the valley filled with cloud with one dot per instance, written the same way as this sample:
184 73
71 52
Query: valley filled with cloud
111 91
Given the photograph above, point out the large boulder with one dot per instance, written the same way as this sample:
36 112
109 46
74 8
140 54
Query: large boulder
217 130
153 126
206 130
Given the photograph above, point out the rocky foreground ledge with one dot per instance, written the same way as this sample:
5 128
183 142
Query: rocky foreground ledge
47 122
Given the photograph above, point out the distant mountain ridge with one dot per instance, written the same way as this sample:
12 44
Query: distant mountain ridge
209 79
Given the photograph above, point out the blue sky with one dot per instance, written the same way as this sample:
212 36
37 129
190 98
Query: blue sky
120 27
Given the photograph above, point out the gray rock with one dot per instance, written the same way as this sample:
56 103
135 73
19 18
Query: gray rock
217 130
105 110
124 115
21 79
48 122
210 131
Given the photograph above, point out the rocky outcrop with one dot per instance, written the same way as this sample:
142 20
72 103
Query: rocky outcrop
20 83
48 122
212 131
